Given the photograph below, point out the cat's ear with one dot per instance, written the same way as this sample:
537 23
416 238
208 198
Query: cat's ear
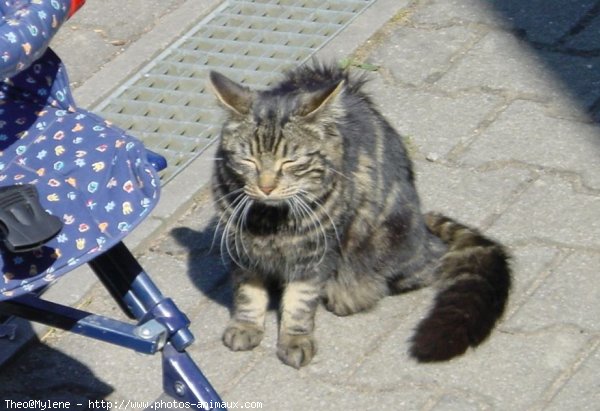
315 102
232 95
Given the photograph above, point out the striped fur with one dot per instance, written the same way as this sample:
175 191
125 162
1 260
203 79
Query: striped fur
316 194
474 285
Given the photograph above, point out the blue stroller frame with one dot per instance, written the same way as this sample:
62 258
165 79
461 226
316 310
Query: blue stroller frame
94 184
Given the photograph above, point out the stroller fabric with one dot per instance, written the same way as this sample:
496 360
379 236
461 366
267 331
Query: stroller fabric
89 173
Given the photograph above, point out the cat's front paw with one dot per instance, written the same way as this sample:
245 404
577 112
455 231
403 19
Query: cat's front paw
296 350
242 336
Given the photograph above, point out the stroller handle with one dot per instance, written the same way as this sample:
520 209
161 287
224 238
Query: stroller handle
75 5
26 28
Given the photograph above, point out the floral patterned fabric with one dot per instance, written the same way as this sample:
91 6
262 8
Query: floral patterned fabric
91 174
26 28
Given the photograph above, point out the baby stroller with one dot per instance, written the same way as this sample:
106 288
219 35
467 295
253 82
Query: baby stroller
72 187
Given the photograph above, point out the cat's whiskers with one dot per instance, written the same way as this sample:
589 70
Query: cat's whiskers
313 199
229 234
242 224
231 222
296 215
340 174
223 214
251 191
315 222
231 193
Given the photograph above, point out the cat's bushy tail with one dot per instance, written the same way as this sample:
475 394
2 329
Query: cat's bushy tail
474 286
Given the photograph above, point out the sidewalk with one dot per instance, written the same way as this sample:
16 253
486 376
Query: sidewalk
500 106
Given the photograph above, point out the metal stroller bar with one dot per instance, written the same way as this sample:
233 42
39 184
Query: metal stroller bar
133 289
84 323
162 326
137 295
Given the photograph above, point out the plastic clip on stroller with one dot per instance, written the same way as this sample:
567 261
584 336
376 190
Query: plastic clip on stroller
98 183
24 225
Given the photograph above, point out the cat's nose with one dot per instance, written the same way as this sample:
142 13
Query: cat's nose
267 181
267 189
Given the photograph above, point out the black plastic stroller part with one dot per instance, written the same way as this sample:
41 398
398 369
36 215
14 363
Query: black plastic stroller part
24 224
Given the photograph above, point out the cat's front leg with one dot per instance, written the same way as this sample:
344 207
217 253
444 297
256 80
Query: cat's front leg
296 345
247 326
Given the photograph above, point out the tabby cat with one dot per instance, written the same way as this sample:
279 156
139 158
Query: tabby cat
316 194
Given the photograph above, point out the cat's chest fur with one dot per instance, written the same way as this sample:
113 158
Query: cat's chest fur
274 240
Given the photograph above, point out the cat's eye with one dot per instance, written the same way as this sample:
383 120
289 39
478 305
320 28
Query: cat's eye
287 163
249 162
296 166
290 163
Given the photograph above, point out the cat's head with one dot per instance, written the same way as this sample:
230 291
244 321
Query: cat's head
280 143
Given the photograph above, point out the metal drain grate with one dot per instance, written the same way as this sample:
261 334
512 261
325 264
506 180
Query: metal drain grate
166 104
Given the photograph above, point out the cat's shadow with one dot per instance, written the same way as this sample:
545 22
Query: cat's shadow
207 267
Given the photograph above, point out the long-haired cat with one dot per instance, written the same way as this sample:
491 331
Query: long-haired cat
316 194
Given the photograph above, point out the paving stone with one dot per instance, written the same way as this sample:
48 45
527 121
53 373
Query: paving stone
192 281
433 122
509 371
280 387
444 12
94 363
338 356
71 379
193 231
525 133
550 210
567 296
134 19
146 369
450 402
104 359
465 194
579 76
588 38
582 391
208 322
223 367
530 264
413 55
541 20
502 62
80 69
104 34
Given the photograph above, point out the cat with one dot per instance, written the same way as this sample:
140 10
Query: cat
316 193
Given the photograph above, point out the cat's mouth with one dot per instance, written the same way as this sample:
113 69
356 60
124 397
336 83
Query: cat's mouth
271 198
272 201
